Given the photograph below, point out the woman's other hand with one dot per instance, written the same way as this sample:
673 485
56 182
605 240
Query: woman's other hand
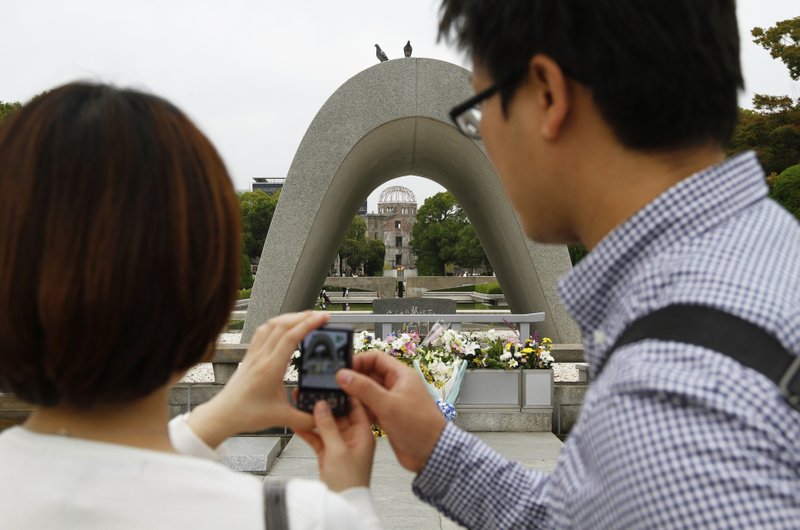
345 446
255 397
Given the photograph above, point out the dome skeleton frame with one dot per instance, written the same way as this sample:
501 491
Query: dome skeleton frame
397 195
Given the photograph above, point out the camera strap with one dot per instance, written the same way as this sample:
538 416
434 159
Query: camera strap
275 515
722 332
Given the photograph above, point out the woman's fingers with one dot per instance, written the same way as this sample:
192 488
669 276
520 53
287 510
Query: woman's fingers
358 415
284 332
327 428
313 440
295 419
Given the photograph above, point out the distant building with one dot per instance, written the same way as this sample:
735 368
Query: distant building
397 213
267 185
271 185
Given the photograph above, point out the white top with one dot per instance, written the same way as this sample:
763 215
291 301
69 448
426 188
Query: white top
51 481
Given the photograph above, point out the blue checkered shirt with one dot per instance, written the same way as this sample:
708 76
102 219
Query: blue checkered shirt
670 435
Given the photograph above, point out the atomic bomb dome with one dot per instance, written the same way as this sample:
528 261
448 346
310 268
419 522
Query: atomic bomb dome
397 211
397 195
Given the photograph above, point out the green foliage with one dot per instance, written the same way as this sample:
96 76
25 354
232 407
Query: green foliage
775 136
469 251
258 208
773 128
7 108
357 250
786 190
443 234
374 254
246 276
782 41
764 103
576 253
489 288
357 229
244 293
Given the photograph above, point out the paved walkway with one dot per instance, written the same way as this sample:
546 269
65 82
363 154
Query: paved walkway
397 506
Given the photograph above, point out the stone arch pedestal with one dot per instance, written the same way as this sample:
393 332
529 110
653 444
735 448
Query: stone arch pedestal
385 122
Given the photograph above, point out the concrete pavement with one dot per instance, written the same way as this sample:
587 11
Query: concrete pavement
396 505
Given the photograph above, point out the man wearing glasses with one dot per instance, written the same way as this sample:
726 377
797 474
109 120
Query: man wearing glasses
612 115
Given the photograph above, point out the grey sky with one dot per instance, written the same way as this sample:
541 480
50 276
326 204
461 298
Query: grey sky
253 73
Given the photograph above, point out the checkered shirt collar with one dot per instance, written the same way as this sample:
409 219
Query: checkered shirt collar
690 207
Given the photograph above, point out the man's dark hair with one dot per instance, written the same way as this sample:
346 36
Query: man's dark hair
664 73
119 246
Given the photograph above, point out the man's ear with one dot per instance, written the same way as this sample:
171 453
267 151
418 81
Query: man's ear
552 94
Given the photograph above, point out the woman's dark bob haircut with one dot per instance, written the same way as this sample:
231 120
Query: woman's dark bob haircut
120 238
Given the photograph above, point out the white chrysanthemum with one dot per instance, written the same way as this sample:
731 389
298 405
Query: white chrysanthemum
506 356
379 345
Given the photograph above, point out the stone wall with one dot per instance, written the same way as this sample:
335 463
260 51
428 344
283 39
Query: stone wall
567 401
417 286
384 287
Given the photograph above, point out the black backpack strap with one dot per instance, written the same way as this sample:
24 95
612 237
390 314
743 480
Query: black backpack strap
275 513
722 332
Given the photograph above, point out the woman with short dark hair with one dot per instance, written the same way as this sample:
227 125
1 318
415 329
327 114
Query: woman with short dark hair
119 243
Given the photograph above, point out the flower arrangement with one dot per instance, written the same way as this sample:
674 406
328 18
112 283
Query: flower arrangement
442 347
493 349
509 352
443 357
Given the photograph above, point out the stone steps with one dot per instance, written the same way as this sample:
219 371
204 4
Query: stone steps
253 454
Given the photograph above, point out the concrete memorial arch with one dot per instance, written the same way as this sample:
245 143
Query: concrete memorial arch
385 122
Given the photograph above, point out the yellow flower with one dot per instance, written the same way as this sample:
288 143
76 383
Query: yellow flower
546 340
527 350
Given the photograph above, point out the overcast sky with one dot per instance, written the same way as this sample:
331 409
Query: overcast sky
253 73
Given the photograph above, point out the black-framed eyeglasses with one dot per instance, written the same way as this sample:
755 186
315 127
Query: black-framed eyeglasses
467 115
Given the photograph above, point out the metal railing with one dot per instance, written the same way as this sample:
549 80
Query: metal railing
524 320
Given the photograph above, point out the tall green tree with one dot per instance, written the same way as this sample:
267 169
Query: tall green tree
356 250
443 234
7 108
782 41
258 208
469 250
374 255
357 229
246 274
772 129
774 135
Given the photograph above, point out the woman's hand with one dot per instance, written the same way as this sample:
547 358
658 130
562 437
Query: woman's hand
345 446
255 397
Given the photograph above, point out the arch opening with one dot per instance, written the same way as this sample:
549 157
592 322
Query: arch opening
386 122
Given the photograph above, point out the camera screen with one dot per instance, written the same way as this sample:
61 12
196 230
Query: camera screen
324 352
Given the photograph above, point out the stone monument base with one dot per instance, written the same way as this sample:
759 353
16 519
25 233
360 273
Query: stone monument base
537 420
